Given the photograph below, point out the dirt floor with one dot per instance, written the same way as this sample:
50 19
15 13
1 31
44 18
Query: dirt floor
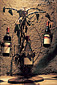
45 60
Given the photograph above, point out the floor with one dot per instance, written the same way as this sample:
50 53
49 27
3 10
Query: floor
49 79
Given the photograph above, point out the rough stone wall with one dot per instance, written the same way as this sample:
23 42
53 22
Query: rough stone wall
42 64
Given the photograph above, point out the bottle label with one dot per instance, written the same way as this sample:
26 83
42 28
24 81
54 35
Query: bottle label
47 39
27 61
6 47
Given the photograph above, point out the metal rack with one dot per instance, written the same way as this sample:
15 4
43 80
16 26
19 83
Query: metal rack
22 24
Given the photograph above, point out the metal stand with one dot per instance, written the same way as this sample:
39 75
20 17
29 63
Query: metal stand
24 66
29 80
18 80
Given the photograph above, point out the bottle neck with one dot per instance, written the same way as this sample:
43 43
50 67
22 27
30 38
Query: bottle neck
47 27
7 31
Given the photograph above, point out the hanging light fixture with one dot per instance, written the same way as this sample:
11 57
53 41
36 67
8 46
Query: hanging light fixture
4 9
10 11
37 16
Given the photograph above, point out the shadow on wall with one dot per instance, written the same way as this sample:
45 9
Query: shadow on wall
46 59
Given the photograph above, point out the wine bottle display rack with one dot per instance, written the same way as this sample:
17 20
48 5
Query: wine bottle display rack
24 54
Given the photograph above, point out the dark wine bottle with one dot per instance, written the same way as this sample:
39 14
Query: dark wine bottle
7 43
47 36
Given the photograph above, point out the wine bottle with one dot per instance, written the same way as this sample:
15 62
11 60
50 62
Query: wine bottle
47 36
7 43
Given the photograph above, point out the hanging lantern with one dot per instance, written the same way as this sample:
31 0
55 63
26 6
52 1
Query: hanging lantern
4 9
10 11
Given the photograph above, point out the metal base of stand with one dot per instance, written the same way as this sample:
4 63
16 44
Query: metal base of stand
29 79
